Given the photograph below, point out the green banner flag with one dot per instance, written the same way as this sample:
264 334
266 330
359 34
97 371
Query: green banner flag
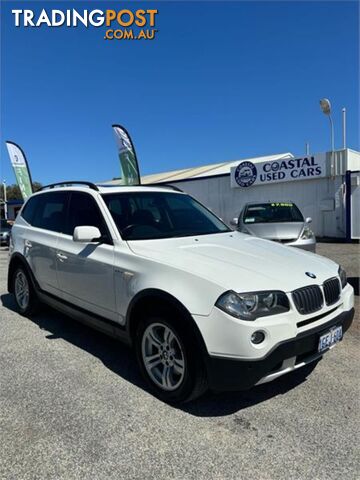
21 169
130 173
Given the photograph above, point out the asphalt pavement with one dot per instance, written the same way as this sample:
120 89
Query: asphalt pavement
73 406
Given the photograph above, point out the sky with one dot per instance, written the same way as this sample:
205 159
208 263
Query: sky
221 81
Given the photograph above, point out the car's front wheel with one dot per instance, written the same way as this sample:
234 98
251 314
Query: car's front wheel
25 295
169 360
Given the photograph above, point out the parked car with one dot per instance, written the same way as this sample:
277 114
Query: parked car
5 229
278 221
203 306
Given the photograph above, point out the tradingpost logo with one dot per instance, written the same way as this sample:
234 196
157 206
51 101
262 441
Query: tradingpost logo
124 24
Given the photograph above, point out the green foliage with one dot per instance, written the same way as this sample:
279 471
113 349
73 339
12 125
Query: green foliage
13 191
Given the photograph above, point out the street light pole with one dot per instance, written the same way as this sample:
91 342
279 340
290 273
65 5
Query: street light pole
325 106
332 133
5 201
344 127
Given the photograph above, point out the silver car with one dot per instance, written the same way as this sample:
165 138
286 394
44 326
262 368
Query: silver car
5 229
278 221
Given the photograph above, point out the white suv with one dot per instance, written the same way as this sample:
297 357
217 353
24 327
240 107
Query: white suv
203 306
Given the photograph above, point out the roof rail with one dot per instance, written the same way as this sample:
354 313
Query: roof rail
69 183
162 185
158 185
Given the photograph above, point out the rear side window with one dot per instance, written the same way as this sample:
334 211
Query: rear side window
50 212
84 211
29 209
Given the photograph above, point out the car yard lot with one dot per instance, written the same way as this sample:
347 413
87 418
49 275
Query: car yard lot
73 406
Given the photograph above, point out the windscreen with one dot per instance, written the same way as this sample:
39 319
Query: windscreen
272 212
154 215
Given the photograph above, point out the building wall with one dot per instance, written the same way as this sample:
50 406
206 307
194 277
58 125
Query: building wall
13 211
321 199
353 160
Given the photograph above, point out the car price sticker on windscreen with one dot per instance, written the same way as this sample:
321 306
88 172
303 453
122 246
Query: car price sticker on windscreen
282 204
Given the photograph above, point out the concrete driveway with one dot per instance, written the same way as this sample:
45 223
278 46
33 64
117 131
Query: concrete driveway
73 406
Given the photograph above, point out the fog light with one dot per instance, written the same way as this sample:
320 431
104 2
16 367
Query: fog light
257 337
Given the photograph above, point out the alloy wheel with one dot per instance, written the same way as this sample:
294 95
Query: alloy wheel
22 290
163 356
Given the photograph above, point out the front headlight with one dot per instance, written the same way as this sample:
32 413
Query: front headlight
250 306
307 234
342 275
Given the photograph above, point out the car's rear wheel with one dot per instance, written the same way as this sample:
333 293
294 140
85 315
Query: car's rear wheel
25 295
169 360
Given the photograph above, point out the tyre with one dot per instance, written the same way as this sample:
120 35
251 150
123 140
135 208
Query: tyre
170 360
25 296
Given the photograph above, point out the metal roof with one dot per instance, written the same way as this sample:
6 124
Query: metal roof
202 171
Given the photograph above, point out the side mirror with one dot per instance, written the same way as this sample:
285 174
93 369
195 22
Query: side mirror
308 220
234 222
86 234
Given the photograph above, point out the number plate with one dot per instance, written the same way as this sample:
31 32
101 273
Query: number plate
330 338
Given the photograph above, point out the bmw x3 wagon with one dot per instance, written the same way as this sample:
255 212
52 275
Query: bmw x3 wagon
203 306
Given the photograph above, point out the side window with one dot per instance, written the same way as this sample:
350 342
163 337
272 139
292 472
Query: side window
29 209
50 211
83 210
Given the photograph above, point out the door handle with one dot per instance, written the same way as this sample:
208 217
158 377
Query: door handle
61 256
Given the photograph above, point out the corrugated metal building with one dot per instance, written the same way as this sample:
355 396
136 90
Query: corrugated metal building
316 183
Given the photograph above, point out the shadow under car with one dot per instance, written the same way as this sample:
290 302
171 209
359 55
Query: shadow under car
120 359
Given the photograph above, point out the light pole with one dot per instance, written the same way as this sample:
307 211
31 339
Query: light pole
5 201
325 106
344 127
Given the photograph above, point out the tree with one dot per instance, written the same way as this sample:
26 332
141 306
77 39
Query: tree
13 191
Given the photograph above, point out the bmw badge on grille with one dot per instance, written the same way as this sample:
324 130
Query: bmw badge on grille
311 275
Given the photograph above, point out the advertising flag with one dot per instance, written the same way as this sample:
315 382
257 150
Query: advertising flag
21 169
130 173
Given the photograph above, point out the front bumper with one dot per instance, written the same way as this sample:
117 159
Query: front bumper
227 336
225 374
309 244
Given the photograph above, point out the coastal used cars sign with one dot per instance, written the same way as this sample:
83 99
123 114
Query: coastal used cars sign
282 170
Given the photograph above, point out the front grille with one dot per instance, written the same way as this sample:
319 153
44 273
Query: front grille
331 291
308 299
303 323
282 240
